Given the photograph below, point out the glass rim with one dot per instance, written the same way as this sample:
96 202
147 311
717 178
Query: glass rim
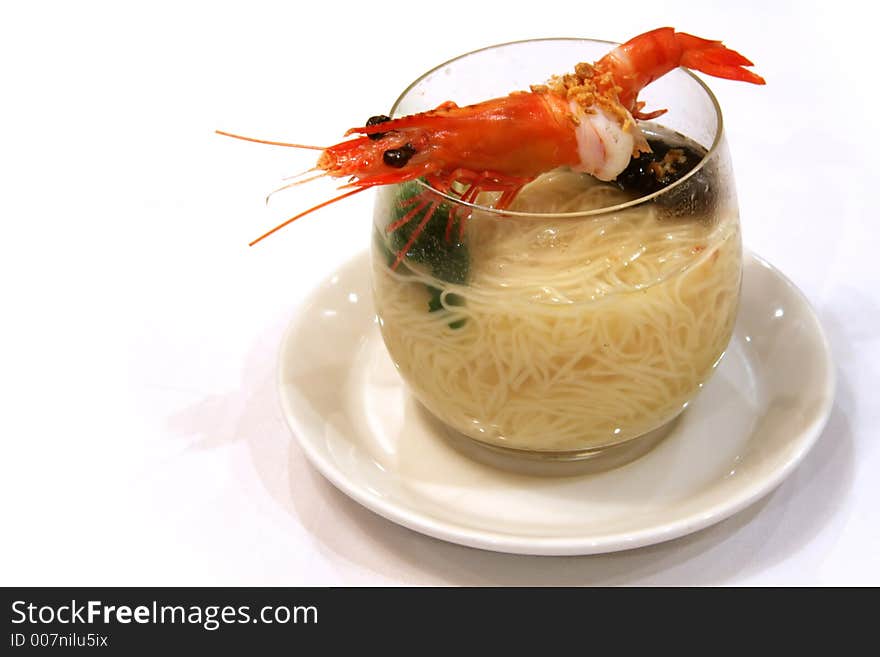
647 198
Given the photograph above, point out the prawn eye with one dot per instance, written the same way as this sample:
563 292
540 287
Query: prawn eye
376 120
398 157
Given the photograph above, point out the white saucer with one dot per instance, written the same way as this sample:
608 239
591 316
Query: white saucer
752 424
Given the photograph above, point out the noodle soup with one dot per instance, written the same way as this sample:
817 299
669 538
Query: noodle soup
563 334
584 318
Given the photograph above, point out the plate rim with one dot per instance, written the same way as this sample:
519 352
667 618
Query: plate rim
505 542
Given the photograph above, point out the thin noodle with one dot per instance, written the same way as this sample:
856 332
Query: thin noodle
576 333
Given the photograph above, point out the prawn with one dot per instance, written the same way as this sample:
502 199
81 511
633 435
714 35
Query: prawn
585 120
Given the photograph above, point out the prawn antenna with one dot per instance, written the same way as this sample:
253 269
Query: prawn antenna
309 211
296 182
271 143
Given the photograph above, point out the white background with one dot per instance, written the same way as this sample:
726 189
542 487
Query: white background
142 439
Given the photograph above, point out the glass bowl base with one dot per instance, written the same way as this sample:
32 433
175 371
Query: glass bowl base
555 464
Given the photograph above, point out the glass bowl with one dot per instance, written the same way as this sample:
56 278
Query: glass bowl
577 324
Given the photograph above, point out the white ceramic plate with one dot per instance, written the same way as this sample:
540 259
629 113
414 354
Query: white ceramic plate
753 422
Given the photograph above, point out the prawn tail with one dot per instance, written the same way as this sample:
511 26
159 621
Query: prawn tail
649 56
713 58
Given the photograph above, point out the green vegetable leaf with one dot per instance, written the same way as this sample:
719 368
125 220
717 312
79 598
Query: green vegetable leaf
446 259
